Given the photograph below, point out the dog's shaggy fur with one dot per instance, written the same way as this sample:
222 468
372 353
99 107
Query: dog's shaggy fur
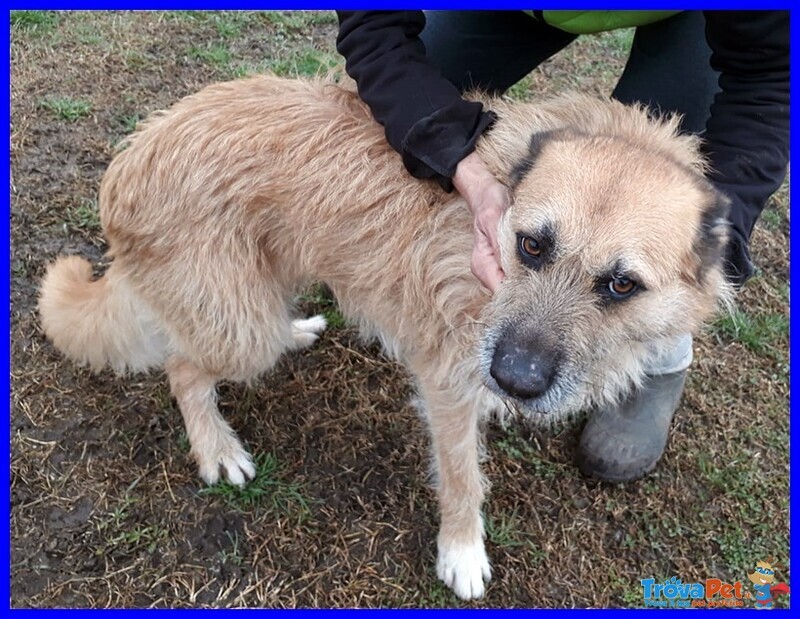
222 208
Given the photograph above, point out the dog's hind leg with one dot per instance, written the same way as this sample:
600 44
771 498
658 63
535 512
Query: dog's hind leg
453 420
214 444
305 331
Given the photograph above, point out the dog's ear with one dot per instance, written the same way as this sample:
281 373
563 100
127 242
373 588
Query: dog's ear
712 235
536 145
524 165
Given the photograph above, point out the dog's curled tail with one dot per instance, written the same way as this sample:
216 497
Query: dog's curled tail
100 323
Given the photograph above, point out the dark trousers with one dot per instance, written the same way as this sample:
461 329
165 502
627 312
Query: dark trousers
668 68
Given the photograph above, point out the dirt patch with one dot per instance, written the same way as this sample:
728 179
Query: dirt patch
107 509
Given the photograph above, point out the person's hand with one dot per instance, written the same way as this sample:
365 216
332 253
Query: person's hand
487 199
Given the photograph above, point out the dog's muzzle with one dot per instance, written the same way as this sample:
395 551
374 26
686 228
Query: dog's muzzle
523 367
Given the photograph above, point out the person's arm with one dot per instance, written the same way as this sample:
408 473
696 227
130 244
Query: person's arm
747 135
423 114
425 119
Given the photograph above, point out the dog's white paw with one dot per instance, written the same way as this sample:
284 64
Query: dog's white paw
305 331
464 568
229 456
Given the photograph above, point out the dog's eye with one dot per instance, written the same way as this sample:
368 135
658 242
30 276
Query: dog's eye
535 252
530 247
621 286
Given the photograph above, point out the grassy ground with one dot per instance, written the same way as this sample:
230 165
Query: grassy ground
107 509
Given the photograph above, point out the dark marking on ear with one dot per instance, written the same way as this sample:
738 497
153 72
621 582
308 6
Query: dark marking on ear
535 147
712 237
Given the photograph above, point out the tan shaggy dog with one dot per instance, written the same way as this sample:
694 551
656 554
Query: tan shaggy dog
225 206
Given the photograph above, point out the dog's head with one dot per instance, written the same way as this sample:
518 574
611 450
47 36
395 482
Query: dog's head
612 247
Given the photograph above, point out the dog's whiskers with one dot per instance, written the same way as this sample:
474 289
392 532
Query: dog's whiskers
472 323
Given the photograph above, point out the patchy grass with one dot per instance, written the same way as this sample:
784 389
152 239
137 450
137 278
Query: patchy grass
299 20
522 90
120 533
762 333
773 218
138 538
619 42
84 217
216 55
436 595
305 62
89 36
516 447
129 122
233 553
268 490
507 531
229 24
66 108
33 22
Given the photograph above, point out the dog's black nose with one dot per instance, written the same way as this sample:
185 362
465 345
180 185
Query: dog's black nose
523 370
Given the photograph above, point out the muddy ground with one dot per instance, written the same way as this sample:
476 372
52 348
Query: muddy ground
107 509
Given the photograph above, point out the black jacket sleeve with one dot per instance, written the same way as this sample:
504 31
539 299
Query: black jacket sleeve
747 135
423 114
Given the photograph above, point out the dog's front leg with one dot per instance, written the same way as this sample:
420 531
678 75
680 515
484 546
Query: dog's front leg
462 562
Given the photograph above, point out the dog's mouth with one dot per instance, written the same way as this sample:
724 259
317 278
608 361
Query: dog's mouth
560 400
548 383
490 382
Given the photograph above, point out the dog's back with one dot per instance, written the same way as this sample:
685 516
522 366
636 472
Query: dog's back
219 208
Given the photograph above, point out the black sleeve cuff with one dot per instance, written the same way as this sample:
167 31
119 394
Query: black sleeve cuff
435 144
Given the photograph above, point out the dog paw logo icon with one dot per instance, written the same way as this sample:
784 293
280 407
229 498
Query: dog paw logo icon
763 579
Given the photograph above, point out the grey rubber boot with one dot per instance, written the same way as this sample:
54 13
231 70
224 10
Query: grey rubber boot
625 442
